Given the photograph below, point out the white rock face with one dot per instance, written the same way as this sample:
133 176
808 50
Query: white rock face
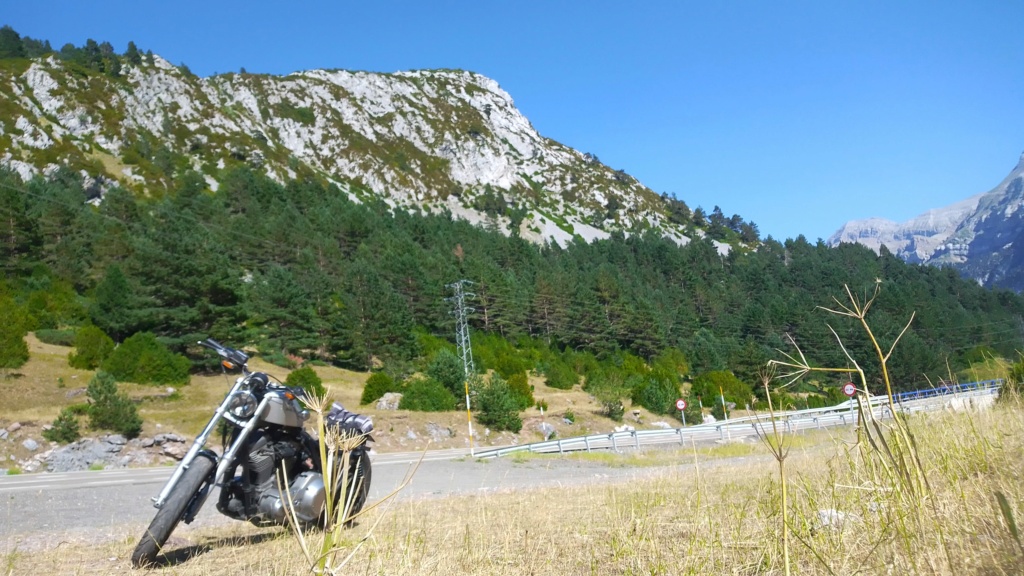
431 139
915 240
980 236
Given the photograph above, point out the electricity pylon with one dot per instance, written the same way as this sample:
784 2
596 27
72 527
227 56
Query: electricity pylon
465 350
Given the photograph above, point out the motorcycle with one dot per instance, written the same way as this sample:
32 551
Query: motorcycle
270 471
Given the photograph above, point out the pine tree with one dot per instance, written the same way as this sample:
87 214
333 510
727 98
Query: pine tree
13 348
114 305
10 43
132 54
111 409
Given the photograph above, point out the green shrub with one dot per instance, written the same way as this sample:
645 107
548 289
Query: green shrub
426 395
670 364
1013 385
656 394
816 401
499 408
429 345
92 347
307 379
65 428
13 348
80 409
542 405
613 408
56 337
377 385
519 384
278 359
560 375
447 369
494 352
112 409
718 410
142 359
608 387
711 385
570 416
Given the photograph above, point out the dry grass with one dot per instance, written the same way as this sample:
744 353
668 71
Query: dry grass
54 384
712 519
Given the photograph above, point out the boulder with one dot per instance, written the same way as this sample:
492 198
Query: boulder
389 401
4 434
115 439
439 433
168 437
14 427
546 429
176 450
30 445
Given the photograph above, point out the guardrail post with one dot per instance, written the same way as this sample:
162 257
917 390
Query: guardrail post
680 432
586 440
817 424
637 438
843 418
721 432
560 446
615 446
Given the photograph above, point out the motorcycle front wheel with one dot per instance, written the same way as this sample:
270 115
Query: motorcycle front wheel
168 516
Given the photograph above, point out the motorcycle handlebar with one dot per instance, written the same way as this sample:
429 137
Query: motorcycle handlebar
235 356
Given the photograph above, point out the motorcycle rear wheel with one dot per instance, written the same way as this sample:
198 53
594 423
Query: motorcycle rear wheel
359 475
168 516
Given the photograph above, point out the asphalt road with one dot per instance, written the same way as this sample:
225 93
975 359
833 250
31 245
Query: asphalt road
40 510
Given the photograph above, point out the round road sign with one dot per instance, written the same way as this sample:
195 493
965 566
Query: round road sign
680 404
849 389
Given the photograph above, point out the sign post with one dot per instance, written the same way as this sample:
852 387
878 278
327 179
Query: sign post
681 406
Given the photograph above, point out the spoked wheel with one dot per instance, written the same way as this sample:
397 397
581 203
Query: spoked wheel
359 474
357 485
168 516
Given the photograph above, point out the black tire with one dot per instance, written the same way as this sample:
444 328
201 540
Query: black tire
359 473
168 516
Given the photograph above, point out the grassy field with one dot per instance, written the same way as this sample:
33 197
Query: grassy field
721 519
941 494
35 393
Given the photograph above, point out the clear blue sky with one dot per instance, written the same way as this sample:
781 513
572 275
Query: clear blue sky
796 115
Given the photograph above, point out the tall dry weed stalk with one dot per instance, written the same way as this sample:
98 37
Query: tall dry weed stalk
325 550
888 448
777 444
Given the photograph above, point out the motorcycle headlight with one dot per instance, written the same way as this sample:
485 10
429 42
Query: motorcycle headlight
243 404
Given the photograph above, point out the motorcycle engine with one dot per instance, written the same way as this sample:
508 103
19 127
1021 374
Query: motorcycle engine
259 500
308 494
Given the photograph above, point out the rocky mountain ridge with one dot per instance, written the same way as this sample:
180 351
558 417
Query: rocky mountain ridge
430 140
982 236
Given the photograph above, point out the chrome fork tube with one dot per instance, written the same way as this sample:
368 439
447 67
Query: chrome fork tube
197 445
228 457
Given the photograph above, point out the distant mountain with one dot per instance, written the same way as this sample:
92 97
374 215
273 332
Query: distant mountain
429 140
982 237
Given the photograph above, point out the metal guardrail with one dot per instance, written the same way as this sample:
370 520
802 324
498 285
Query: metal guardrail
790 421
